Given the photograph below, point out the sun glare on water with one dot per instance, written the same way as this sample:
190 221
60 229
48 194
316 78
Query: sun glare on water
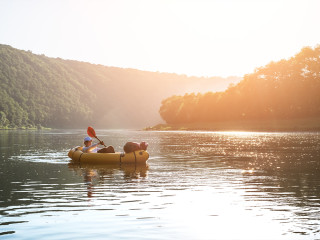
216 214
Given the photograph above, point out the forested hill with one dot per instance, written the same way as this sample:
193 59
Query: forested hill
36 90
288 89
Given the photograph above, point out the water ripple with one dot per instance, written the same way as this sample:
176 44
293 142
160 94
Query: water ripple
198 185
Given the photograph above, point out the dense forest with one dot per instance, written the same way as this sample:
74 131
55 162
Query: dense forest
36 90
287 89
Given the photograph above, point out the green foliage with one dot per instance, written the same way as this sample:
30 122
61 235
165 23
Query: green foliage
37 91
287 89
4 122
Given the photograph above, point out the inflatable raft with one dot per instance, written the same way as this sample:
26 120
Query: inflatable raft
77 155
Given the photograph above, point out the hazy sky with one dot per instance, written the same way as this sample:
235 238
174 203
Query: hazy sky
192 37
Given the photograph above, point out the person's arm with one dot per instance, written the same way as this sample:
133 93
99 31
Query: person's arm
89 149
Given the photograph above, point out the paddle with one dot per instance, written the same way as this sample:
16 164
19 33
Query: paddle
92 133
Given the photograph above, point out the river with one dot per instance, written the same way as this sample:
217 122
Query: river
196 185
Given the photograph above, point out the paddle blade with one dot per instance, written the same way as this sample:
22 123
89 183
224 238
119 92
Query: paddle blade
91 132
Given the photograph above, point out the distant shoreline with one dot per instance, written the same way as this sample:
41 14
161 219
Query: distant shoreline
283 125
25 128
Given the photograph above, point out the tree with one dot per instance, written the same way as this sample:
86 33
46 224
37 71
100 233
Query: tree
280 90
4 122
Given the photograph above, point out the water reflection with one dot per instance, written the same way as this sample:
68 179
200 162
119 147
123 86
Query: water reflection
199 185
278 172
95 175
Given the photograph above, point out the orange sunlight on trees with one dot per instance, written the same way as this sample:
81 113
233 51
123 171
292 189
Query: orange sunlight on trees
286 89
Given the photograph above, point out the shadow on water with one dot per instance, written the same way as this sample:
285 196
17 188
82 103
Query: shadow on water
96 175
36 179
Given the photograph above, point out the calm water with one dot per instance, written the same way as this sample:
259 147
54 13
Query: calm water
197 185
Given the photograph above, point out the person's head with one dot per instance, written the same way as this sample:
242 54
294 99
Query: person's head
87 141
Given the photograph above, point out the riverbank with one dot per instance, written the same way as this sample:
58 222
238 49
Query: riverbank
284 125
25 128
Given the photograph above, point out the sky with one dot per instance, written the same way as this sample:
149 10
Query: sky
192 37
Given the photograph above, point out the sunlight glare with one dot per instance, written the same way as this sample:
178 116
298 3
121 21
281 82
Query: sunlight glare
200 38
212 213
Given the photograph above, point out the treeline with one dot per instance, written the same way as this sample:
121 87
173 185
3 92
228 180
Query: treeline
36 90
287 89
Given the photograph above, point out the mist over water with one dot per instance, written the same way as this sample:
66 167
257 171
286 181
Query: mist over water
196 185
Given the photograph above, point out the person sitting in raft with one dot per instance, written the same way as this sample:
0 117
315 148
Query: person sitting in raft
93 148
